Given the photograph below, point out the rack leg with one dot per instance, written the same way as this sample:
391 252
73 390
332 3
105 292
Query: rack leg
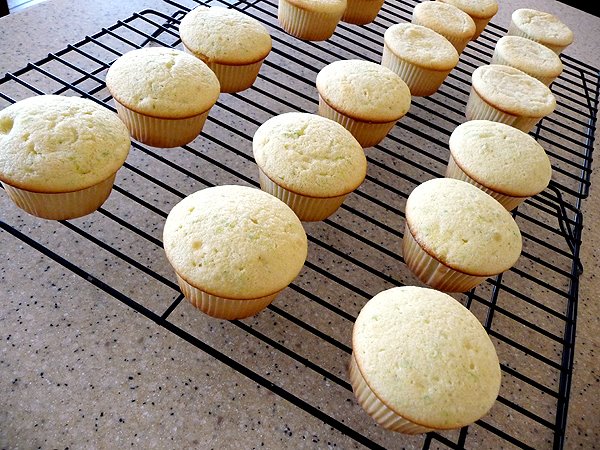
3 8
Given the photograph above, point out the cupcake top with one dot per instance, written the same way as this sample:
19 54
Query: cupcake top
421 46
52 143
542 27
513 91
501 158
463 227
163 82
364 90
529 56
235 242
444 18
426 357
322 6
478 9
309 155
224 36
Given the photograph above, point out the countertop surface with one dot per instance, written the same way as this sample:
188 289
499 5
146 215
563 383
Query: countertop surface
80 369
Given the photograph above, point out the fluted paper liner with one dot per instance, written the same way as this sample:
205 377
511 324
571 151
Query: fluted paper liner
367 134
508 201
432 272
383 415
233 78
458 42
421 82
165 133
308 209
223 308
62 205
361 12
305 24
479 109
480 25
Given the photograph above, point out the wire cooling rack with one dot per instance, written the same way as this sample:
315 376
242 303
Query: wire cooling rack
530 311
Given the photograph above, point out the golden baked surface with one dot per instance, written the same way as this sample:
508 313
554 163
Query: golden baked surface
235 242
224 36
542 26
309 155
421 46
463 227
513 91
51 143
480 9
163 82
364 90
426 357
444 18
529 56
501 157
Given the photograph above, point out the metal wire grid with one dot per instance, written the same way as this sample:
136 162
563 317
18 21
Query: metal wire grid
530 311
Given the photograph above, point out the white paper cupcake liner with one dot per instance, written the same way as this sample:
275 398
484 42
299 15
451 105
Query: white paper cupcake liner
367 134
223 308
480 25
232 78
433 273
514 30
526 124
63 205
421 82
383 415
498 59
479 109
165 133
361 12
308 209
458 42
235 78
508 201
304 24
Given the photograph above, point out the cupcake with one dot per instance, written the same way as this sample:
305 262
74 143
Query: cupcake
422 362
231 43
59 155
508 95
311 20
505 162
446 19
310 162
233 249
422 57
163 95
366 98
361 12
541 27
456 235
528 56
481 11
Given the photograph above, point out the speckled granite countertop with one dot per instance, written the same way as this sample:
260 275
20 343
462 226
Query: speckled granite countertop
79 369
